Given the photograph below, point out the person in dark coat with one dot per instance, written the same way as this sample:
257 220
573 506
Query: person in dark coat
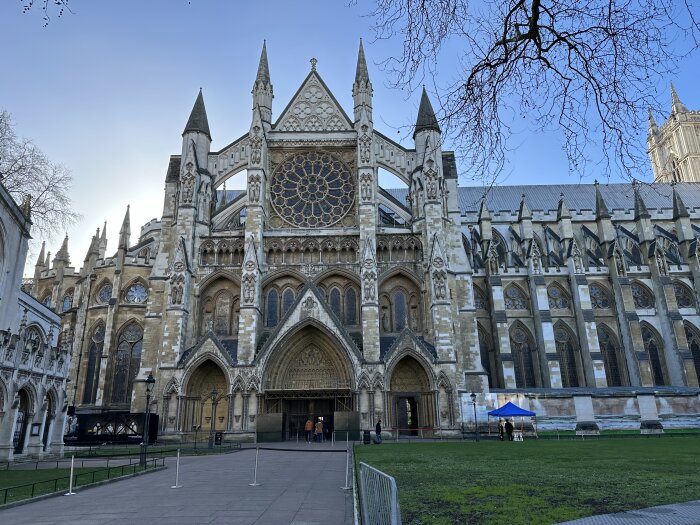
378 432
501 429
509 429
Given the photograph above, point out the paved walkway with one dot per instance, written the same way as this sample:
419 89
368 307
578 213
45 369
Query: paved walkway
299 487
677 514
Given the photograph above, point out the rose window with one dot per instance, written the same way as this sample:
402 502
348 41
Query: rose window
312 190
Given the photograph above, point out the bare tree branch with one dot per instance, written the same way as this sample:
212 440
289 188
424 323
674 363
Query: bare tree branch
26 170
587 68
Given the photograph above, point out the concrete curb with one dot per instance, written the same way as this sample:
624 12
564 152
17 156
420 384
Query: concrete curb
80 488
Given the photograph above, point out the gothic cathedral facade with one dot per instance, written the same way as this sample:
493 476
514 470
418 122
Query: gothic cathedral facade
318 293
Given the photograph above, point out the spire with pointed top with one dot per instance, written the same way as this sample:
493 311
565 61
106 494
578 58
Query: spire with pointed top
676 104
652 123
94 248
125 231
601 210
263 68
62 253
222 203
563 210
198 118
426 116
679 209
47 263
640 209
361 73
524 212
484 214
41 260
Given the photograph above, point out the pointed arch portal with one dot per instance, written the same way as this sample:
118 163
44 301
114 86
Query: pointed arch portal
309 376
412 404
206 399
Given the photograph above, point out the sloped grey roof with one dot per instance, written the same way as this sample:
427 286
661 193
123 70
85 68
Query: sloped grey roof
578 197
198 118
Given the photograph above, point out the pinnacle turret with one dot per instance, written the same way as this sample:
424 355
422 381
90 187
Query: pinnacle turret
198 118
361 73
640 209
125 231
676 104
263 68
679 209
41 260
653 128
601 210
62 254
426 116
563 210
524 212
484 213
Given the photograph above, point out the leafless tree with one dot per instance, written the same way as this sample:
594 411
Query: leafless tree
26 171
587 68
47 8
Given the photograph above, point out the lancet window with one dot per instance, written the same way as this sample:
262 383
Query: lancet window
610 349
558 298
693 338
515 298
92 373
567 356
643 298
600 297
127 360
684 295
654 348
522 349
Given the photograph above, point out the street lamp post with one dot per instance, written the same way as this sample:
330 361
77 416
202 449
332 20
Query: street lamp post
150 381
196 429
214 393
476 422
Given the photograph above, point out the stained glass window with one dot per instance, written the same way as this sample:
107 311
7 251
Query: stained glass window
350 307
691 334
557 298
137 293
567 358
654 347
599 297
480 302
92 373
642 296
609 348
684 296
67 302
287 300
272 308
399 311
127 361
522 347
335 302
47 300
104 294
222 314
312 190
515 299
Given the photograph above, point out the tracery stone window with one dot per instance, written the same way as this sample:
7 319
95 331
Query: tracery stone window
127 360
693 338
558 299
350 307
287 300
312 190
567 356
643 298
515 298
46 301
137 293
67 302
272 305
684 296
600 298
522 347
220 308
480 301
399 305
485 351
654 347
104 294
610 349
92 372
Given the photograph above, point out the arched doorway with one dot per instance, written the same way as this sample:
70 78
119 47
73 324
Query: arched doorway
309 376
206 400
22 421
412 402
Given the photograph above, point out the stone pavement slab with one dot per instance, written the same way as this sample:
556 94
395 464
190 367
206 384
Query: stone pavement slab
298 486
687 513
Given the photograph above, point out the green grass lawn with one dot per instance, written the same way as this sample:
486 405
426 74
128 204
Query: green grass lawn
535 482
46 480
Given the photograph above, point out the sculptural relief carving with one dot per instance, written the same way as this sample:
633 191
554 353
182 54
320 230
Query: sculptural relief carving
256 142
368 290
365 145
366 187
188 182
440 284
248 282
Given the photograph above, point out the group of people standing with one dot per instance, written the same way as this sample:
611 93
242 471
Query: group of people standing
505 428
319 431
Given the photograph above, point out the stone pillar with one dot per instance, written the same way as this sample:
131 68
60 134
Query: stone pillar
585 418
591 357
501 335
547 372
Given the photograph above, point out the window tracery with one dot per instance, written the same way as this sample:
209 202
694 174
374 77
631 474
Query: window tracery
642 296
312 190
480 301
92 373
567 357
522 348
609 348
104 294
127 360
558 299
399 303
67 302
684 296
515 299
693 338
653 347
137 293
600 299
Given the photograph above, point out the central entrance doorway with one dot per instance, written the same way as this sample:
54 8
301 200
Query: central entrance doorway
314 405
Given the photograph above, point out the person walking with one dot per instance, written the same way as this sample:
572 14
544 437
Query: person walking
501 429
378 432
308 428
319 431
509 429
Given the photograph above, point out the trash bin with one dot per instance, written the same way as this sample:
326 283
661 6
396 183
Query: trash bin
365 437
218 438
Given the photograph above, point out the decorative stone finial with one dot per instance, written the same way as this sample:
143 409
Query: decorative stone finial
313 64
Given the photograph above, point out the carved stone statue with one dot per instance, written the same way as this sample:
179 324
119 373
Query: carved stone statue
254 188
256 145
365 145
368 289
188 184
248 288
439 278
619 263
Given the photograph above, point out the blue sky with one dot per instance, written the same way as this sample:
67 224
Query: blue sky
107 90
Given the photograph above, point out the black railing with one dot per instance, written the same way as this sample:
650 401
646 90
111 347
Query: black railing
30 490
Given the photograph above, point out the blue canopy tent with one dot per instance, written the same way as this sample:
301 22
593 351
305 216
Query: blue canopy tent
511 410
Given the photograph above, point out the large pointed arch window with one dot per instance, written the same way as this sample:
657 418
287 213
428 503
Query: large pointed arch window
643 298
271 304
522 347
515 298
486 351
399 304
557 297
127 360
684 295
567 355
287 300
654 348
693 337
600 297
610 349
92 370
350 307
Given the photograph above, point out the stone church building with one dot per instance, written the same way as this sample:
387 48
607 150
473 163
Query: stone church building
317 292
